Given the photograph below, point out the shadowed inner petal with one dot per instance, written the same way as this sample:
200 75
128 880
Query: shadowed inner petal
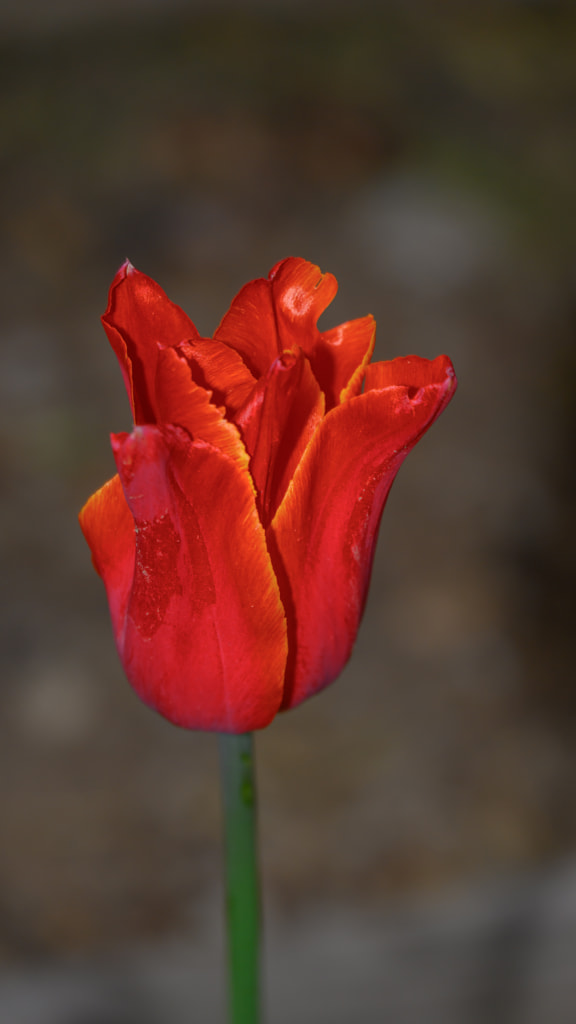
249 327
277 424
341 357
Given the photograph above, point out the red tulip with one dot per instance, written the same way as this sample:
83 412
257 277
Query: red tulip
236 541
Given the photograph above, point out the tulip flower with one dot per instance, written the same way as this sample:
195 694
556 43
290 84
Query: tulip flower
236 541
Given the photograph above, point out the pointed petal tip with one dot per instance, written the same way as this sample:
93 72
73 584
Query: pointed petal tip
125 269
274 271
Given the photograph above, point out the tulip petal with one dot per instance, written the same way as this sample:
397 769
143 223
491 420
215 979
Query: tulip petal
220 370
249 327
323 537
301 294
410 372
277 424
180 401
139 319
338 356
280 312
270 316
341 357
108 526
204 640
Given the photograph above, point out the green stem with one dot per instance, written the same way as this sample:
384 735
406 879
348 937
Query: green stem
242 889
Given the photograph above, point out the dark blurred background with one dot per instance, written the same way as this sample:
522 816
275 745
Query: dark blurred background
418 819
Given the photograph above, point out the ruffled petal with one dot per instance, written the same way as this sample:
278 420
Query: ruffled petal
140 317
323 537
220 370
108 526
180 401
277 424
338 357
301 294
204 640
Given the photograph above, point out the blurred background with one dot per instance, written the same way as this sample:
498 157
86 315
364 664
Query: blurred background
418 819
